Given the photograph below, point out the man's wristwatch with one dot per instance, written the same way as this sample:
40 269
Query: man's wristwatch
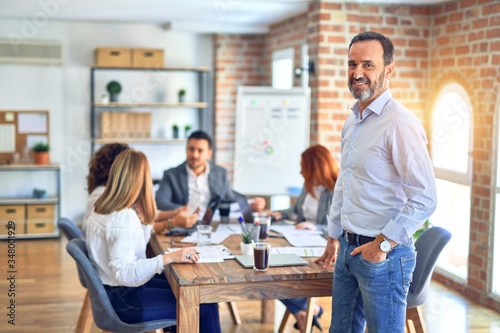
170 225
384 244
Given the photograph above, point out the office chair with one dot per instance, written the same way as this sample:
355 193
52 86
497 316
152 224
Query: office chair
429 245
105 316
71 231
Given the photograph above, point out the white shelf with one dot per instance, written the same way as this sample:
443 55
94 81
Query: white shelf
197 105
140 140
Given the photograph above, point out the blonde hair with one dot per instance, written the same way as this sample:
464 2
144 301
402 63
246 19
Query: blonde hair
129 184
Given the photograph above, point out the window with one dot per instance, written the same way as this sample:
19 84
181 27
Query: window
451 144
283 69
305 64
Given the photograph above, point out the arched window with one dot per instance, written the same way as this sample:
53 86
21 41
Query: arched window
450 150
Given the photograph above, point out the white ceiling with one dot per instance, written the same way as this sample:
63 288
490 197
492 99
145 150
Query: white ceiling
203 16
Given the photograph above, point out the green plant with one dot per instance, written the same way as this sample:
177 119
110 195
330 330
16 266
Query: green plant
246 236
181 92
175 127
427 224
40 147
114 87
187 128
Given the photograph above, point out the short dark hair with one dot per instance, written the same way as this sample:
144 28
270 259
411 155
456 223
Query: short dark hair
385 41
201 135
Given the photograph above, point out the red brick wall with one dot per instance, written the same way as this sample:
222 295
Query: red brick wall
465 48
331 27
239 61
457 41
291 33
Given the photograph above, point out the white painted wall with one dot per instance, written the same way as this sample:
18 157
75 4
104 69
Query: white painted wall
65 92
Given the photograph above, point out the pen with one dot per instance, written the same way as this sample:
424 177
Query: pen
242 222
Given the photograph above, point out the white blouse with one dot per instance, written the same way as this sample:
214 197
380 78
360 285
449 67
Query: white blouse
117 248
310 205
96 194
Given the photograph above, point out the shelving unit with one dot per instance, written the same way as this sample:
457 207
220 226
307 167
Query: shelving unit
203 106
33 217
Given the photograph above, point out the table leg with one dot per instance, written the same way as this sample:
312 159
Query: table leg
267 314
188 310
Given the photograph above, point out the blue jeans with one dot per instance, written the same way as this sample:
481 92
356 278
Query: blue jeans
294 305
155 300
371 293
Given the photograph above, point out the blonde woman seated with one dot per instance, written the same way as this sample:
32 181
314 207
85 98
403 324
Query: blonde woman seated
99 167
320 170
118 232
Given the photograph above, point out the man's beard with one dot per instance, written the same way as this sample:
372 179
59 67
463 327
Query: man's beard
365 94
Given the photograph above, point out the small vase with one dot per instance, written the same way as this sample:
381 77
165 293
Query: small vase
113 97
246 249
175 132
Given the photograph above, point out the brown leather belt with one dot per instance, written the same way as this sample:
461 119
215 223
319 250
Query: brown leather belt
356 239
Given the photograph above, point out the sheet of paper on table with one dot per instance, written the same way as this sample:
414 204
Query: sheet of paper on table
300 251
300 237
216 238
213 253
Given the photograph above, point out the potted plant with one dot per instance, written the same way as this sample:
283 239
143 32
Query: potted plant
41 153
187 128
181 93
175 130
246 242
113 88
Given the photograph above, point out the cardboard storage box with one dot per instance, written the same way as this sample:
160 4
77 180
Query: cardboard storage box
113 57
15 213
151 58
40 227
125 125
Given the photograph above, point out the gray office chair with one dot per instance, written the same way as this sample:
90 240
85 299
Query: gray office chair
85 320
429 245
105 316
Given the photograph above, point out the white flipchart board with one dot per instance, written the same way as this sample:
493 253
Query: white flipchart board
272 131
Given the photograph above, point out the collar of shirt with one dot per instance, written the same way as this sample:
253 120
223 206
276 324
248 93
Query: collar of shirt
375 107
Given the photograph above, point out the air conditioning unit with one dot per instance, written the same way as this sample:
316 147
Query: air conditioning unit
37 52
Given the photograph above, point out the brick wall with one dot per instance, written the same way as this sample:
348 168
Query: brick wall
291 33
465 48
239 61
457 41
331 27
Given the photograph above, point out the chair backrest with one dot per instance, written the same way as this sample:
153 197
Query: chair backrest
428 246
69 229
104 315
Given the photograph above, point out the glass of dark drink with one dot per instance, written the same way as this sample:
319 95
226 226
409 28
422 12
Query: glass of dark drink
261 256
265 225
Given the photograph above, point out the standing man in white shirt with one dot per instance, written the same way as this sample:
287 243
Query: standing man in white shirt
385 191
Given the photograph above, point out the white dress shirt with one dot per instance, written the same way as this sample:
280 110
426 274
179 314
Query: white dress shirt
310 205
117 248
199 190
386 182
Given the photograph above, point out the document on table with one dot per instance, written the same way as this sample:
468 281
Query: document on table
213 253
300 251
301 237
216 238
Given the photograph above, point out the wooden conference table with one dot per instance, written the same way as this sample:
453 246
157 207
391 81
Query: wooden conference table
230 282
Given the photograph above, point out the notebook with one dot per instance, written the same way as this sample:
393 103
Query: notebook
275 260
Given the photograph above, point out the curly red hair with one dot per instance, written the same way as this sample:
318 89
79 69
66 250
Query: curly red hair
101 162
318 167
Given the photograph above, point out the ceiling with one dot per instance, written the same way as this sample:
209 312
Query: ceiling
202 16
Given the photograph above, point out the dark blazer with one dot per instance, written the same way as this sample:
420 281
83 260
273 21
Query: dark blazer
296 212
174 192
